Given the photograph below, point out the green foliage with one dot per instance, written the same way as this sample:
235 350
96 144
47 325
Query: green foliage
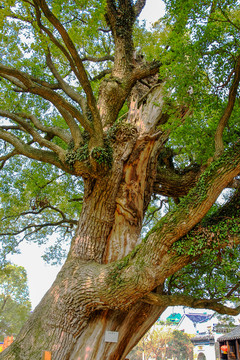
157 208
199 242
150 43
211 276
41 197
201 45
99 154
14 299
103 155
121 131
211 243
180 346
226 323
199 192
217 228
24 46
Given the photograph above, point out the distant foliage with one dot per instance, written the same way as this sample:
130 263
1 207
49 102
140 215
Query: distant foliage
15 306
163 343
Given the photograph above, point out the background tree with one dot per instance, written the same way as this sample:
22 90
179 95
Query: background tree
102 123
225 323
153 344
180 346
163 343
14 300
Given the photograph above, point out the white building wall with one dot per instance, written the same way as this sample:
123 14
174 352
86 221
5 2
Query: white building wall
205 326
207 350
187 326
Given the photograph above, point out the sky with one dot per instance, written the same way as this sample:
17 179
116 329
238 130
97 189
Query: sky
153 10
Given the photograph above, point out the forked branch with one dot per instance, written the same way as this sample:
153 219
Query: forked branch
34 227
75 96
35 135
31 152
82 75
67 110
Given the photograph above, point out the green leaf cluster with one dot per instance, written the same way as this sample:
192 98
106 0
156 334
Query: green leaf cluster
200 51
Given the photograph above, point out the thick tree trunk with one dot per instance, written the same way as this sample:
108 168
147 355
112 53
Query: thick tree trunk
130 325
106 275
72 319
68 325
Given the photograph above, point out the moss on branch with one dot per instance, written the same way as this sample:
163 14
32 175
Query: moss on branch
102 155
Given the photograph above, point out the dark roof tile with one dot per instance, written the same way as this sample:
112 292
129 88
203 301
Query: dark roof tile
232 335
199 318
200 338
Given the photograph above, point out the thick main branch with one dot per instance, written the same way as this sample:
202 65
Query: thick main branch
219 146
184 300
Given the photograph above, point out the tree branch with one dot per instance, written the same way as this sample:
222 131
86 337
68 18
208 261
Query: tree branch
33 228
183 300
145 70
51 131
33 153
55 41
150 216
121 18
229 20
169 183
64 86
10 127
4 158
219 146
83 78
35 135
96 59
138 7
45 83
33 212
68 111
111 13
102 74
36 227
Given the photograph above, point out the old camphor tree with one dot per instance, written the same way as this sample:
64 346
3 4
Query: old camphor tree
91 99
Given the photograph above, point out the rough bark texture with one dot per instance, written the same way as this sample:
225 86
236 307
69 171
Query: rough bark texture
94 293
